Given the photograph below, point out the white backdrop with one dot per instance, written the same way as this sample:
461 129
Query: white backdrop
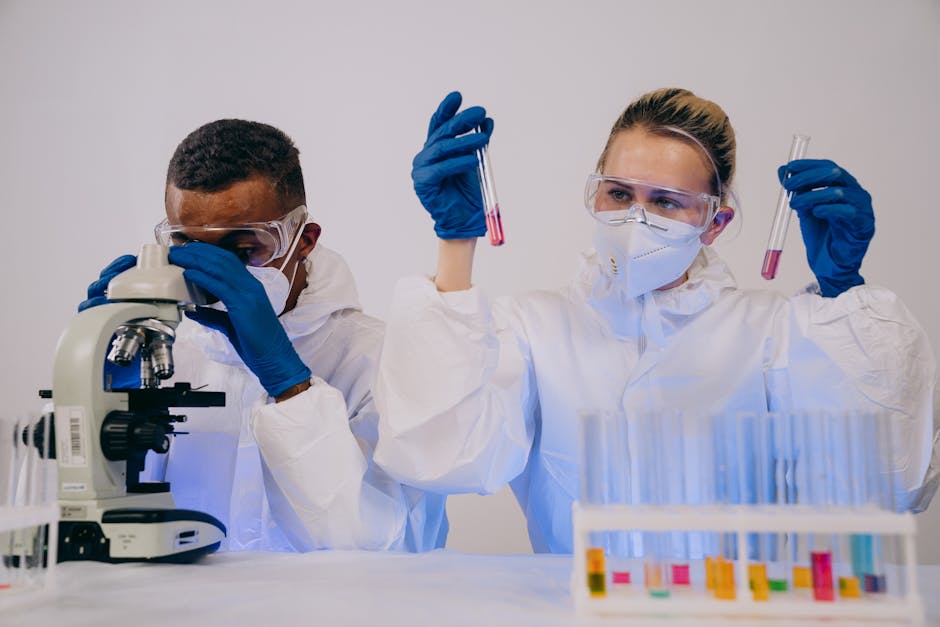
95 95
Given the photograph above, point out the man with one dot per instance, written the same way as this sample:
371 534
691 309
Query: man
287 463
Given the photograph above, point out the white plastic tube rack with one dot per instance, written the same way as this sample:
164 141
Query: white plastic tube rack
742 520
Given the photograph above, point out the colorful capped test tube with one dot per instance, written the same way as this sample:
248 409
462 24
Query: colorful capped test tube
822 576
670 473
850 584
868 550
777 462
596 572
724 579
605 474
494 223
778 232
758 582
849 588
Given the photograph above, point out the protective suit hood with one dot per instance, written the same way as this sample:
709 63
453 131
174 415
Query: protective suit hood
330 288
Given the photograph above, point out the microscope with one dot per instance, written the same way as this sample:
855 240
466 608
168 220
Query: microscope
102 434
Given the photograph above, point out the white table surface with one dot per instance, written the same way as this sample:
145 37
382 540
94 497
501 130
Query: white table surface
441 588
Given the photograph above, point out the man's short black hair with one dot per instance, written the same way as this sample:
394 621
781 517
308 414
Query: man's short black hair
221 153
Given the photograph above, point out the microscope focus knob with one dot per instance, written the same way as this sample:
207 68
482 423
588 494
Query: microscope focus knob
124 433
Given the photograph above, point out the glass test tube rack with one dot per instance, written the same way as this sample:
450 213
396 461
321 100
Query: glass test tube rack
903 606
29 513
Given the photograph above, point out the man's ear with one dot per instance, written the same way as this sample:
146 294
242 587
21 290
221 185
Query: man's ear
724 216
308 239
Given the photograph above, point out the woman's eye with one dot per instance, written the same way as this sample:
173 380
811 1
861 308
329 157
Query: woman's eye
668 204
619 195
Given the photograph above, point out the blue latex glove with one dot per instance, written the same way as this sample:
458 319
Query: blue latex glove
250 322
96 288
836 220
445 171
120 376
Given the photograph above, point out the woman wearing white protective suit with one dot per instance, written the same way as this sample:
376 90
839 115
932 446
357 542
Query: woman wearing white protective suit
473 395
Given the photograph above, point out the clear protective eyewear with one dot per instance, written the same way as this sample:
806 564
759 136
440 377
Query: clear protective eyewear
668 211
255 243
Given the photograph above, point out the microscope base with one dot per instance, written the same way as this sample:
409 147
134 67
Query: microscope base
126 530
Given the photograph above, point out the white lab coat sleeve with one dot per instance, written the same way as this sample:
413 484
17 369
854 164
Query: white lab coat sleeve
882 355
454 391
322 489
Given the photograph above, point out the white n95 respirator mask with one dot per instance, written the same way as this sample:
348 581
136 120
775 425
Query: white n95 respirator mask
633 256
276 285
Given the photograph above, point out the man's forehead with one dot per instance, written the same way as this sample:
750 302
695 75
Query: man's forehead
252 200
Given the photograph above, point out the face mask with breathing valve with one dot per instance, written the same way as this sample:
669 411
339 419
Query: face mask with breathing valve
648 234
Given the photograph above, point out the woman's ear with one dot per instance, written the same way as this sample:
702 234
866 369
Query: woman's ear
308 239
724 216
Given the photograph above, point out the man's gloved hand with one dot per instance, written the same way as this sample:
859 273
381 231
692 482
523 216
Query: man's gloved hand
445 171
96 288
836 220
120 376
250 322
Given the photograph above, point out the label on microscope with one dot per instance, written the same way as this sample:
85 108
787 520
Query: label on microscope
73 512
70 445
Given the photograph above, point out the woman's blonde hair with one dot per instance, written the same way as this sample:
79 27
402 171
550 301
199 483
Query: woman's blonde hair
671 108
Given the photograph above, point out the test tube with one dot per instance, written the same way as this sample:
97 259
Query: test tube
800 492
494 223
618 481
763 551
594 462
673 469
828 491
850 493
778 232
725 458
880 494
708 490
781 459
605 475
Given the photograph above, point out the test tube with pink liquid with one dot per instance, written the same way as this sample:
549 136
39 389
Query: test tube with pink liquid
494 223
778 232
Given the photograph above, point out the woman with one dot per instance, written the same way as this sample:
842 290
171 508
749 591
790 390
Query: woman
473 396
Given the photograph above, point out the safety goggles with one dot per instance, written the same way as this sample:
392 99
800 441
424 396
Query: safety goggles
668 211
255 243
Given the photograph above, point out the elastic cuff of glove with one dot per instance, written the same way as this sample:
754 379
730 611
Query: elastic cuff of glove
830 288
459 233
276 389
92 302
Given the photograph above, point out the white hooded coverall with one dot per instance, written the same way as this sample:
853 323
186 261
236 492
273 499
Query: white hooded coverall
297 475
472 396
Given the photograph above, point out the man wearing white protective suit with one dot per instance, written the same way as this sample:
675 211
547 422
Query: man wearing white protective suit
473 395
287 463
